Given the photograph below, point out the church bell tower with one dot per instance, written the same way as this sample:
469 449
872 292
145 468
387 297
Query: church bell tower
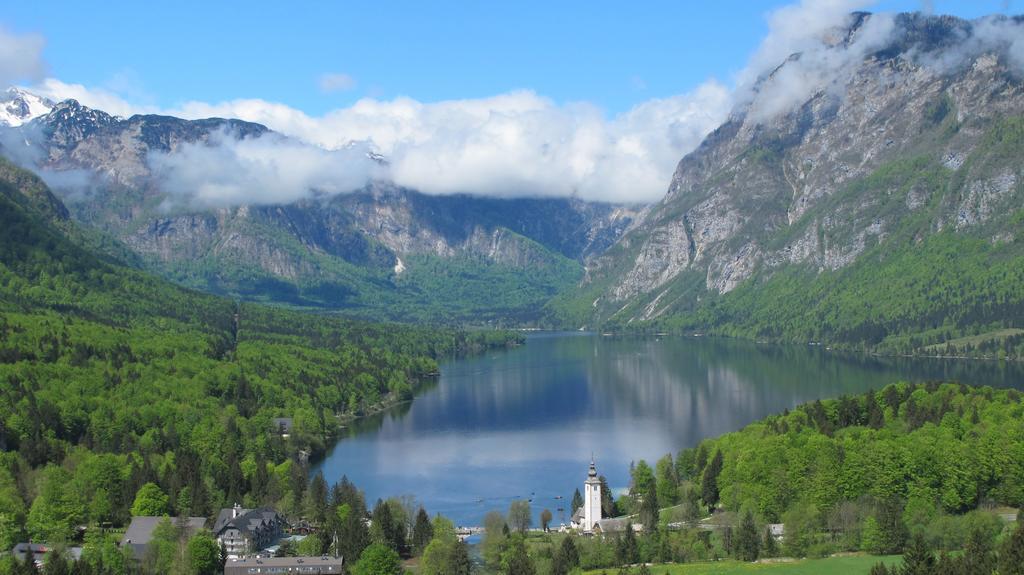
591 499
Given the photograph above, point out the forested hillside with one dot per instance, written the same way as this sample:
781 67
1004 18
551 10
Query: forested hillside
865 472
113 379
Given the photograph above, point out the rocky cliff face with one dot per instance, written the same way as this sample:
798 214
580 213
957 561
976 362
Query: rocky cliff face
339 250
808 186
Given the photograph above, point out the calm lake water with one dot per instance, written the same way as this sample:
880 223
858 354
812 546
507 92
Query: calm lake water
523 423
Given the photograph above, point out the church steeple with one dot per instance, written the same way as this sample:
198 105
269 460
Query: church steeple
591 498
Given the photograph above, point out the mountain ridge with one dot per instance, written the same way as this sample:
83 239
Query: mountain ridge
900 153
376 252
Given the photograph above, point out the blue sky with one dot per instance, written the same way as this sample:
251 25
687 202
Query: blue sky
605 53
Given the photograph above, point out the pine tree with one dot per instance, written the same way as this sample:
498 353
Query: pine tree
649 510
627 550
422 531
577 501
569 551
607 501
709 482
748 545
461 565
918 558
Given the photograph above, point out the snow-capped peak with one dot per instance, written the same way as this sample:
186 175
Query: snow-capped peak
18 106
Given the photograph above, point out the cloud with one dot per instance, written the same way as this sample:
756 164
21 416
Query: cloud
992 33
336 83
514 144
20 145
521 143
823 67
806 51
98 98
21 58
271 169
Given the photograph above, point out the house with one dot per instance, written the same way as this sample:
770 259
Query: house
140 531
299 565
778 530
283 426
38 552
244 532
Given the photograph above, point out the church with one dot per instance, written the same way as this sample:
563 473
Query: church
586 518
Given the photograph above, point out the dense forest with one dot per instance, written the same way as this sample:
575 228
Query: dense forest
122 392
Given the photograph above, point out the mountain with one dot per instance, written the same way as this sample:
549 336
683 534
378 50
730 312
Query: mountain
379 252
881 209
18 106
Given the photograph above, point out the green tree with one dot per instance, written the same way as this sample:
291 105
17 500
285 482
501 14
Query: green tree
545 519
627 551
1011 553
520 517
422 531
979 553
494 539
203 554
378 559
577 501
667 481
56 563
607 499
871 537
461 564
802 523
748 544
517 561
150 500
57 508
918 558
709 481
566 557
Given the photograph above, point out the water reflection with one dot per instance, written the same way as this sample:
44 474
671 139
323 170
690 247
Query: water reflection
523 423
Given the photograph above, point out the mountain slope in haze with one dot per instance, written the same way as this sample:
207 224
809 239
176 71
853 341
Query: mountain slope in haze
379 252
884 205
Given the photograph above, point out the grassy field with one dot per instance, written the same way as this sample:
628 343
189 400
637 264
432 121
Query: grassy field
847 565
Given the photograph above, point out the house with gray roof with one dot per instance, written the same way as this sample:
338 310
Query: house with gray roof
140 531
244 532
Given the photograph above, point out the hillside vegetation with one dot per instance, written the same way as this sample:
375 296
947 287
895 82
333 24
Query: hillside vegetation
113 379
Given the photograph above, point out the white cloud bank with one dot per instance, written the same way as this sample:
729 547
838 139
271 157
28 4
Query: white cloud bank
513 144
228 170
21 58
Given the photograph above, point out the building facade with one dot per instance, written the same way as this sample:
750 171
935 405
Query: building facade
243 532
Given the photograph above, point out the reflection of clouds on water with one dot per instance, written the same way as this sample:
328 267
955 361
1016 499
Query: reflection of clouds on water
524 422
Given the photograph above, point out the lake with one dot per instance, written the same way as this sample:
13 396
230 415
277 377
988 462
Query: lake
523 422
